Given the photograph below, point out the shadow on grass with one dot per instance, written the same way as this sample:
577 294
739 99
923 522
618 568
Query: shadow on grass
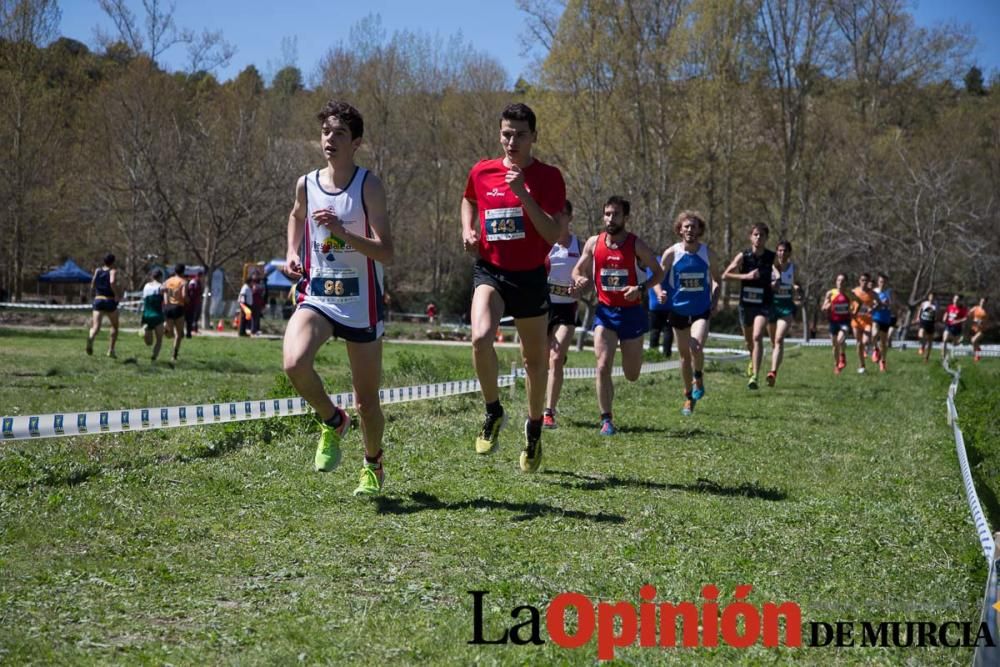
702 485
420 501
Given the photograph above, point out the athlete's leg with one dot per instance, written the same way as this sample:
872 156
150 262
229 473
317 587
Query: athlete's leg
683 339
487 309
861 339
778 340
699 332
366 377
632 357
605 346
95 327
944 343
158 332
534 351
307 330
559 344
113 319
759 327
178 328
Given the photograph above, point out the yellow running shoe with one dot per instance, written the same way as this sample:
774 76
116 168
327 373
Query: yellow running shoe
328 449
372 476
489 436
531 455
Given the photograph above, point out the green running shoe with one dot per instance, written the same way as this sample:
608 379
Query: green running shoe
750 368
328 449
372 476
489 436
752 384
531 455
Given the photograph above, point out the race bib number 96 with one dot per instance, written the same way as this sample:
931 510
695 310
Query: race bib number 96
335 286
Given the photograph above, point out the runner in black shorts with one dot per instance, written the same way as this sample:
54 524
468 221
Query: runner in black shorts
562 310
104 284
753 268
508 223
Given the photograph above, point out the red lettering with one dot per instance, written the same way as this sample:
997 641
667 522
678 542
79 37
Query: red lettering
555 620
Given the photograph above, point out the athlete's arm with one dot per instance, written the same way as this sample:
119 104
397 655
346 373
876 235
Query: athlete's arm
584 266
714 273
730 272
296 230
113 282
470 226
93 280
545 224
667 259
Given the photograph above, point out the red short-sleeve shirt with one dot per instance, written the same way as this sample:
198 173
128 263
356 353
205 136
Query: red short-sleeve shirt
507 237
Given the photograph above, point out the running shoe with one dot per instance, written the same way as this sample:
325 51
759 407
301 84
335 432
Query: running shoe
607 427
489 436
372 477
328 449
699 389
90 346
842 362
771 377
881 365
688 408
750 368
876 355
837 369
549 421
752 384
112 354
862 371
977 357
531 455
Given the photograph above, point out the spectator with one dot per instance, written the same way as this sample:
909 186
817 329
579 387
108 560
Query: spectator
431 312
245 313
259 301
192 309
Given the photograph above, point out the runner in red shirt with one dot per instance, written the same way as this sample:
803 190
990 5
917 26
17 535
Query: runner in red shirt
955 316
508 223
612 260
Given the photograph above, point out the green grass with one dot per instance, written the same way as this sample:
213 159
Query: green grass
978 405
218 544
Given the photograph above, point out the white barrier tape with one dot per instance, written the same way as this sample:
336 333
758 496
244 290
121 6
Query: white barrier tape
143 419
56 306
990 350
53 425
982 528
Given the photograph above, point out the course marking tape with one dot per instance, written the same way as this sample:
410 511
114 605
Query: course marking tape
57 306
30 427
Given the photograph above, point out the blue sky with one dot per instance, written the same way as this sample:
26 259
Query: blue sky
258 27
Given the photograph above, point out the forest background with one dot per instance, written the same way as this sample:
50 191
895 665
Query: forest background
869 142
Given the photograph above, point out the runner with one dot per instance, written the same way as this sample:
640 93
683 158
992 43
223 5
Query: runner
753 268
926 316
105 286
174 304
954 317
783 306
881 321
864 301
338 240
612 260
562 314
978 316
837 304
507 222
152 312
693 294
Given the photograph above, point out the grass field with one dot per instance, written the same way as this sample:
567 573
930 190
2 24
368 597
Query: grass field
220 545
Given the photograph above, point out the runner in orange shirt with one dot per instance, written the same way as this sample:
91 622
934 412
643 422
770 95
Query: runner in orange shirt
865 301
978 316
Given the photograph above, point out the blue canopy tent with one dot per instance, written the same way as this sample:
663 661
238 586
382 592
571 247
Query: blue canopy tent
274 279
67 274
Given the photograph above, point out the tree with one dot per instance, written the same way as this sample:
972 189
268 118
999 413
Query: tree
974 81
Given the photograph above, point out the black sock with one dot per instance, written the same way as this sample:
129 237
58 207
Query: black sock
377 461
550 412
535 428
494 408
687 395
605 415
697 375
335 421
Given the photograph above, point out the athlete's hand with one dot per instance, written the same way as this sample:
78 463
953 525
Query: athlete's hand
293 266
632 293
327 218
661 297
753 275
470 240
515 180
580 284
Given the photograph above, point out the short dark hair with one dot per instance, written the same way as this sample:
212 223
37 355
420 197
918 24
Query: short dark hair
621 202
841 274
346 114
787 245
865 275
109 259
568 208
519 111
179 270
761 227
157 274
883 276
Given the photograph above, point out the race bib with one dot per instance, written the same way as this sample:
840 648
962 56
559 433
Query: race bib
927 316
504 224
559 290
692 282
783 292
753 295
841 308
335 286
614 280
